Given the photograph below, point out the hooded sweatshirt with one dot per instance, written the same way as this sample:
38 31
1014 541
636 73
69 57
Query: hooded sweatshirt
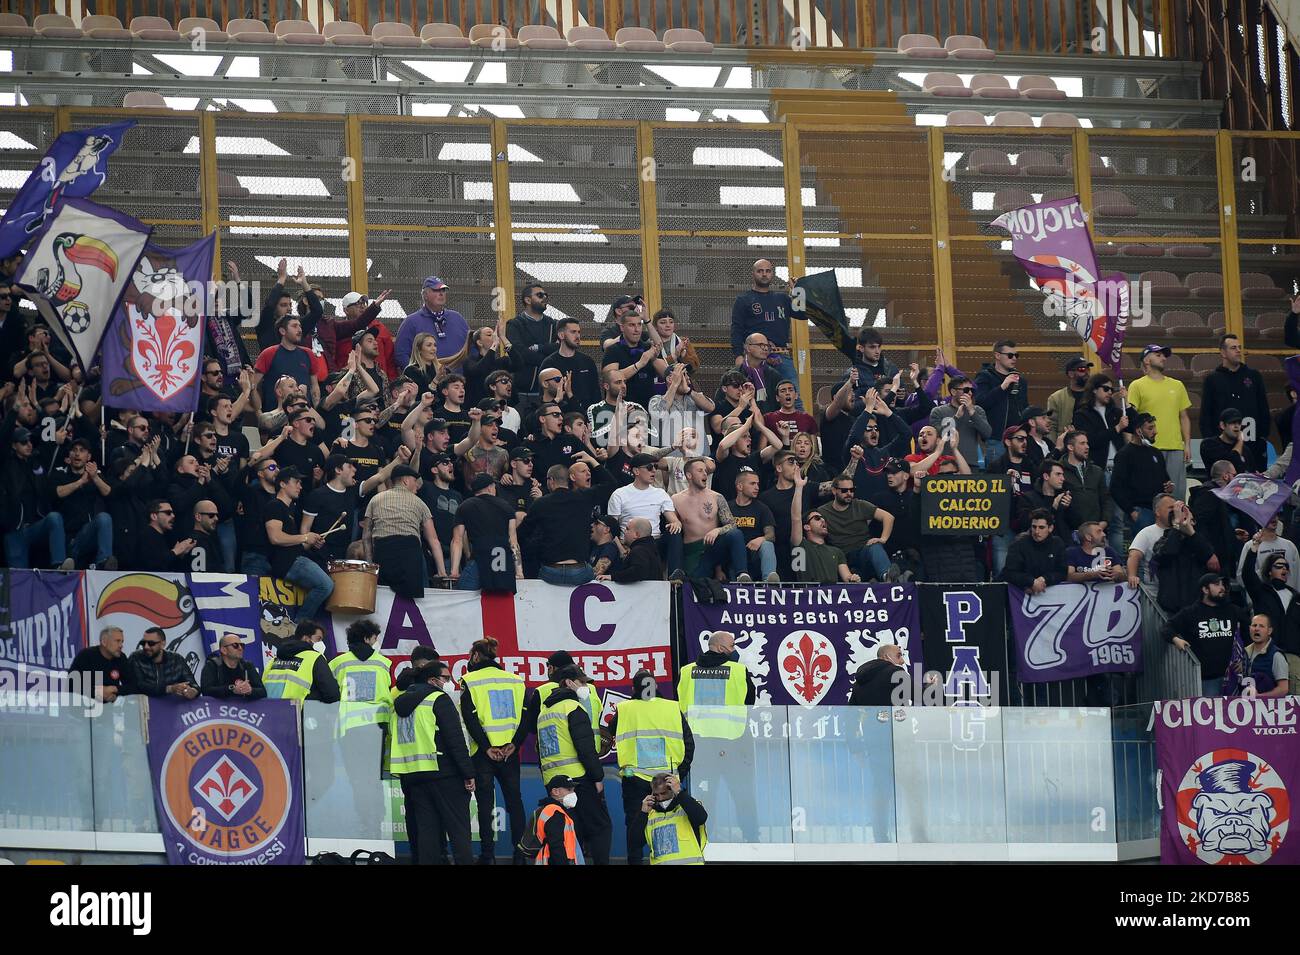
448 738
1002 407
323 685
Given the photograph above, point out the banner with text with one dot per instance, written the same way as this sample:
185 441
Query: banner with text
42 622
228 784
1227 772
802 645
965 504
965 628
1076 630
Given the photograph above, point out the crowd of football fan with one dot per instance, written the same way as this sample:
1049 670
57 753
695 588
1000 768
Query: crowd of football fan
483 456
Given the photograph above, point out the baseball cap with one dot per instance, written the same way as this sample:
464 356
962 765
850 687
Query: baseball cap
21 436
896 466
1163 349
480 482
434 282
622 300
561 782
358 336
521 453
644 460
436 424
609 522
1077 362
1207 579
1033 411
560 658
1229 416
352 298
442 457
402 471
490 405
1014 430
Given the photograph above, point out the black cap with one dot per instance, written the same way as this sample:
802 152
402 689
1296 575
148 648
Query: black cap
896 466
621 301
521 453
561 782
490 404
21 436
442 457
1033 411
1077 362
560 658
644 461
1229 416
436 424
480 482
1207 579
609 522
402 471
358 336
286 475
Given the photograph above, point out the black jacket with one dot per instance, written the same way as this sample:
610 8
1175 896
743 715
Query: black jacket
1216 449
26 494
1033 499
323 685
1028 560
1002 407
1140 474
1214 522
1266 599
449 738
580 731
642 563
1242 389
1089 496
696 814
217 678
1179 564
152 679
1101 432
875 683
524 333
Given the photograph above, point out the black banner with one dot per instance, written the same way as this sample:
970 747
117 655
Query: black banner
964 630
965 504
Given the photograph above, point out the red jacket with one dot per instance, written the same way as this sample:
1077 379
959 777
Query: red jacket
335 336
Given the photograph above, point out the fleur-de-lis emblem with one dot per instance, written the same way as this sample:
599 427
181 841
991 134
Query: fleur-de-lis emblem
162 352
810 666
226 788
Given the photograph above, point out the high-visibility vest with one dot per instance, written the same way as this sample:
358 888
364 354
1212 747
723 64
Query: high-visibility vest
556 752
365 690
411 745
571 848
498 698
671 838
594 705
290 679
713 698
649 738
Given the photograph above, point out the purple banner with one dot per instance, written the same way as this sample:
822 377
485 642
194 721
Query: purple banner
803 645
1052 242
229 603
1228 769
153 348
1255 495
228 781
1076 630
44 623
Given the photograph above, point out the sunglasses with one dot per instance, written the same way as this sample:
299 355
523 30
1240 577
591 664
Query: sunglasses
271 467
217 372
151 643
1105 388
366 420
963 391
1009 354
236 646
844 490
553 414
168 512
1017 437
207 514
547 381
540 295
872 428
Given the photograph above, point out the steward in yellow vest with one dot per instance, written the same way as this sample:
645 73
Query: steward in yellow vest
566 746
427 753
593 703
714 690
554 827
299 670
492 706
651 736
674 824
365 679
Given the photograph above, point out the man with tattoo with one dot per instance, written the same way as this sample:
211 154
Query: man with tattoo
709 531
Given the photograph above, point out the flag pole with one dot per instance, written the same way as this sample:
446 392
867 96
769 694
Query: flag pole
103 436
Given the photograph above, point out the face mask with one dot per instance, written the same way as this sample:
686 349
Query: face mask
319 646
584 693
569 801
664 804
734 656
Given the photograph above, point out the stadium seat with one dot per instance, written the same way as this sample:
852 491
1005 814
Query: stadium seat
389 33
243 30
1272 333
684 40
15 24
638 40
967 48
1005 200
922 46
1111 202
212 32
992 84
443 36
1205 284
1040 162
990 162
1061 120
298 33
144 99
541 37
1181 319
1012 117
945 84
483 35
153 28
1164 284
1267 320
1098 169
1257 286
966 117
1202 365
56 26
1176 362
590 38
346 33
1039 87
1140 249
100 27
1187 251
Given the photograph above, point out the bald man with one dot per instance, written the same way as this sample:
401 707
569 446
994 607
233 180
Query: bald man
767 312
642 561
882 681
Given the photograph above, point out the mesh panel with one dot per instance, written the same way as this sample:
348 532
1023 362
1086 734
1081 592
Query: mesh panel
427 173
30 134
155 172
581 278
986 176
1268 194
574 176
727 179
1156 185
862 188
1268 277
992 300
887 284
466 261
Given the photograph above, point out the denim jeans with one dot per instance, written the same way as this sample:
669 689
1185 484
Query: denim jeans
305 572
468 577
762 561
1001 544
869 561
229 550
993 449
567 576
1146 517
18 543
728 548
97 536
255 565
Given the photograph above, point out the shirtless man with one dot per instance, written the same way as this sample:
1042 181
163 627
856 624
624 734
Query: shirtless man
709 532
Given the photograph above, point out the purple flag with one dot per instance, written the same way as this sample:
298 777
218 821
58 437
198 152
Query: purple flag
228 782
1227 772
803 645
1076 630
153 349
1255 495
43 625
1052 242
1292 366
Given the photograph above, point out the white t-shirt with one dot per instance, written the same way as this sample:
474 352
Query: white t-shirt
1145 541
1266 550
630 502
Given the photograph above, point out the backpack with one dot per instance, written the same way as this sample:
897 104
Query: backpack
530 846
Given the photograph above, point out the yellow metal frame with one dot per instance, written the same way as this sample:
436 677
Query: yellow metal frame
505 241
356 205
648 194
795 261
941 248
1230 262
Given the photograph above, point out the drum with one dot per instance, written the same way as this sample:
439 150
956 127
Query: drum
356 583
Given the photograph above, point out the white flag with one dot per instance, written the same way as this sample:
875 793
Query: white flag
77 269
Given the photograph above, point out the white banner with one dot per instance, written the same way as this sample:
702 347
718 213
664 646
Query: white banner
134 601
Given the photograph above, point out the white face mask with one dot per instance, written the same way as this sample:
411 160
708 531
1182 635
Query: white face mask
584 693
664 804
569 800
319 646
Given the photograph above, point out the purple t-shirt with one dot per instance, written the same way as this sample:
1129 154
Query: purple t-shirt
449 327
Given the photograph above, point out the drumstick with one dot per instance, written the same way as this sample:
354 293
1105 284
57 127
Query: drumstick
333 530
335 526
